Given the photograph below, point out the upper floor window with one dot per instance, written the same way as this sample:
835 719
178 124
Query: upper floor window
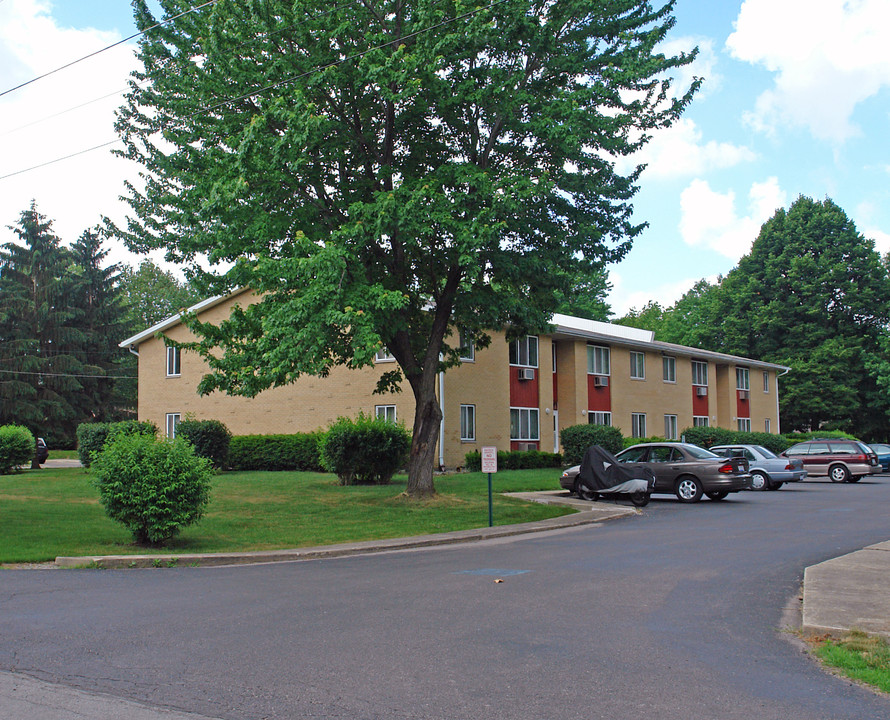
524 351
765 381
174 362
742 381
699 372
383 355
638 365
467 348
669 368
598 360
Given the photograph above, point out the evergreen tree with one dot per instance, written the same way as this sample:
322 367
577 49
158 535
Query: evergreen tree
41 345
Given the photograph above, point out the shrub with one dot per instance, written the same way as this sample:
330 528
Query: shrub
631 441
707 436
210 438
577 438
275 452
16 447
515 460
153 487
91 437
364 451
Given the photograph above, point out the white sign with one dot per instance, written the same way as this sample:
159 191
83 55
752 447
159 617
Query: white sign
489 459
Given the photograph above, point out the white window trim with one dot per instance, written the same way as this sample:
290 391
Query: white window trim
537 424
383 356
591 360
699 363
742 379
766 381
174 362
469 347
669 361
173 420
383 411
526 340
594 415
671 428
637 364
471 435
701 421
638 425
746 422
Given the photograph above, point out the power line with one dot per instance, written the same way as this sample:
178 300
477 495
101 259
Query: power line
109 47
294 78
70 375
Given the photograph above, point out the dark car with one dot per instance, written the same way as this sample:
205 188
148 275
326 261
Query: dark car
883 453
41 452
768 470
840 460
684 470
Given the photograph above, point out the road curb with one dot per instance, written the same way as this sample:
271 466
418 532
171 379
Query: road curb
589 513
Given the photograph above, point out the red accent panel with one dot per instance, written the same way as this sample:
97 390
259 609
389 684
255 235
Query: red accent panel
743 407
699 404
555 391
514 444
523 393
599 398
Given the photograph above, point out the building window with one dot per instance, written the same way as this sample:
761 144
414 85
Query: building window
172 424
700 421
767 426
553 355
742 379
174 362
598 360
699 373
595 417
765 381
669 368
670 427
638 425
467 422
638 365
385 412
744 424
383 355
467 348
524 352
524 424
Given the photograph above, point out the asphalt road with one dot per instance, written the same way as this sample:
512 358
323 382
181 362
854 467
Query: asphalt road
678 613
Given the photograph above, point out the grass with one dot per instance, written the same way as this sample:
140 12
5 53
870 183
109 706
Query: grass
56 511
63 455
857 655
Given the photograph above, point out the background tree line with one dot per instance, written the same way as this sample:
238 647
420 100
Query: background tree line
63 312
813 294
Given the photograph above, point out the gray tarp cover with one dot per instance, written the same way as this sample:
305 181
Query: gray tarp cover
602 472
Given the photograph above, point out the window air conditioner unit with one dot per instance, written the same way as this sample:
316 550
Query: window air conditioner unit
526 373
701 391
526 446
743 394
601 381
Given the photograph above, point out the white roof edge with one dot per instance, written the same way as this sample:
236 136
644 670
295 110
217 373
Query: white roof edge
569 323
174 319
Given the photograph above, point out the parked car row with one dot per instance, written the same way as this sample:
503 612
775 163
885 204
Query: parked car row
690 472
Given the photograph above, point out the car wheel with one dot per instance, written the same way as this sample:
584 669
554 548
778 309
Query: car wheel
775 485
839 473
721 495
583 492
759 480
640 499
855 478
688 489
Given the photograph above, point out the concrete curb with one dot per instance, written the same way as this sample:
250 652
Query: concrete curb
849 592
588 513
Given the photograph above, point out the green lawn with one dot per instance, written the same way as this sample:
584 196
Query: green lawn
50 512
859 656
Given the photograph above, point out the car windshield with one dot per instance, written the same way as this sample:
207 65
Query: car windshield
699 453
766 452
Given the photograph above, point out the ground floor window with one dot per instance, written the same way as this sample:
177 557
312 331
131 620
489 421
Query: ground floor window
670 427
385 412
700 421
766 425
744 424
467 422
524 424
172 423
638 425
595 417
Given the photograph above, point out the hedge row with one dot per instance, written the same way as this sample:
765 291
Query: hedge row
275 452
516 460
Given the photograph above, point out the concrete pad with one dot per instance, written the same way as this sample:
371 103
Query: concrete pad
25 698
852 591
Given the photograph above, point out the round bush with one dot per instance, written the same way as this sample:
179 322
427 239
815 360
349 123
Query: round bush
153 487
364 451
16 447
577 438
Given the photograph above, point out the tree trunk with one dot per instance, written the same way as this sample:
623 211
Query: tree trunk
427 420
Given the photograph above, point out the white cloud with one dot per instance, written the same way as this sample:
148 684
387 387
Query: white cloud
704 65
709 218
882 239
827 55
74 193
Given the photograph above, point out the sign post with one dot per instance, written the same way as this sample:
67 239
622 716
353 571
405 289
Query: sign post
490 465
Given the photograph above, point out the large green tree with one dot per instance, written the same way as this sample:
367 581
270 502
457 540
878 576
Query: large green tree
385 172
151 294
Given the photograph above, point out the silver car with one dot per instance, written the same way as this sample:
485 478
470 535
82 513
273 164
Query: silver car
768 470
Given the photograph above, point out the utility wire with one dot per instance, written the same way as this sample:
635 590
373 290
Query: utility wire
70 375
109 47
294 78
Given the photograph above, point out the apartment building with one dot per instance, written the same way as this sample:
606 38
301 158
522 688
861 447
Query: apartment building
513 395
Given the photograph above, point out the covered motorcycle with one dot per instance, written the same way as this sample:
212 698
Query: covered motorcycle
602 474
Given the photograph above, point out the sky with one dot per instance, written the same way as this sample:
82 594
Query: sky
795 101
